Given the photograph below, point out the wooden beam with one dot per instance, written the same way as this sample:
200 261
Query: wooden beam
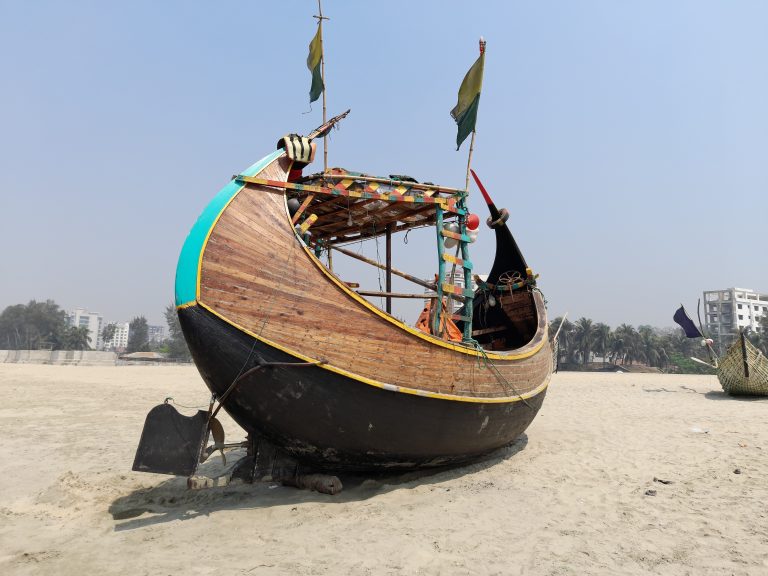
448 204
419 281
433 188
301 209
389 267
395 294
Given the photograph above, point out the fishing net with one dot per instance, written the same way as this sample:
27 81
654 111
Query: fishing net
744 377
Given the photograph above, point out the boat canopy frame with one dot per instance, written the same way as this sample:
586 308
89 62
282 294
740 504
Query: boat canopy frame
343 207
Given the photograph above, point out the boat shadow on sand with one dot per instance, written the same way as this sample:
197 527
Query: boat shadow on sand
710 394
720 395
171 500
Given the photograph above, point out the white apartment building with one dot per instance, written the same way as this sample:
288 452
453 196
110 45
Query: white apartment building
92 320
733 309
156 333
119 341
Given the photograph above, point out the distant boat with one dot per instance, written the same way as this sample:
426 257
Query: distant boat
743 370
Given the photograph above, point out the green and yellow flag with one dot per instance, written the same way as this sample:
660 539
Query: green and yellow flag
313 63
465 111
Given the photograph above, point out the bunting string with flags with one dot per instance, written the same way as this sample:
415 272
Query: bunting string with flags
465 111
314 60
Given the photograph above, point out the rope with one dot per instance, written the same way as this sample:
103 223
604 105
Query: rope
172 400
495 371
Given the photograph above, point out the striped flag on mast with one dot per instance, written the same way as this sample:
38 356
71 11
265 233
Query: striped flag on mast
465 111
314 60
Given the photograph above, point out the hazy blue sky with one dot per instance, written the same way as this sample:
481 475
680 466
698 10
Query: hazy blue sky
628 139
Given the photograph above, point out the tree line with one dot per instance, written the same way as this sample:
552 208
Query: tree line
584 342
43 325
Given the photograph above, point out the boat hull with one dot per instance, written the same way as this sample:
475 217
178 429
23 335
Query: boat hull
333 421
743 371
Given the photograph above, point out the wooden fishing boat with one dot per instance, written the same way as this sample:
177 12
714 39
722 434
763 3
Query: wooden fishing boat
315 372
300 358
743 370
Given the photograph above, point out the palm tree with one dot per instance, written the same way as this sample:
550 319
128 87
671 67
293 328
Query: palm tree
77 338
564 338
108 333
649 344
602 339
625 344
583 336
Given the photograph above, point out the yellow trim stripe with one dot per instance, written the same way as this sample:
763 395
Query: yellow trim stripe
391 387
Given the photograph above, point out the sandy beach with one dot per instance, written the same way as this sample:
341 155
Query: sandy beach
575 495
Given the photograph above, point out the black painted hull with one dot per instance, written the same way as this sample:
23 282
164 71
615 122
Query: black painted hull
329 420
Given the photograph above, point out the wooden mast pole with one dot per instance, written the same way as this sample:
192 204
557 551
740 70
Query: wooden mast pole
320 19
389 267
463 227
474 130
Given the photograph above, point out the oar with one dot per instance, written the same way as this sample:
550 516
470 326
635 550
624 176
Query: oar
324 128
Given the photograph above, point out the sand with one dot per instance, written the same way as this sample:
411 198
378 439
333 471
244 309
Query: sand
569 498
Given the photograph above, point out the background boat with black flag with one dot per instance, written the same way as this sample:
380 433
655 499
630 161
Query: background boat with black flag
742 370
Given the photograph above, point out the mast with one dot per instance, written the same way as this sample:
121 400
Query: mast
474 131
320 19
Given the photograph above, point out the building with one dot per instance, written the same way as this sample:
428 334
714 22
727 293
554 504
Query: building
457 279
119 341
733 309
92 320
156 333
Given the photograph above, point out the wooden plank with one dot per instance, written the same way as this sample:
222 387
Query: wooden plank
433 188
489 330
453 289
307 223
458 261
301 209
447 204
395 294
455 235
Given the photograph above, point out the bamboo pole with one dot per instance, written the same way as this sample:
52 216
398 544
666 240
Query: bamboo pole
389 267
320 19
469 161
414 279
395 294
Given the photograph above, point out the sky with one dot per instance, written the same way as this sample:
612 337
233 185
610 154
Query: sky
628 140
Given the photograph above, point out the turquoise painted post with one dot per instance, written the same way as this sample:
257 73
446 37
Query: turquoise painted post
468 292
440 270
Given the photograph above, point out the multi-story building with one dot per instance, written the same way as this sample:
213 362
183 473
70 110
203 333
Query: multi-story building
92 320
119 341
733 309
156 333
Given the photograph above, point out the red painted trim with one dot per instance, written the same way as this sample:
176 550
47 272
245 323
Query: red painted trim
482 188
